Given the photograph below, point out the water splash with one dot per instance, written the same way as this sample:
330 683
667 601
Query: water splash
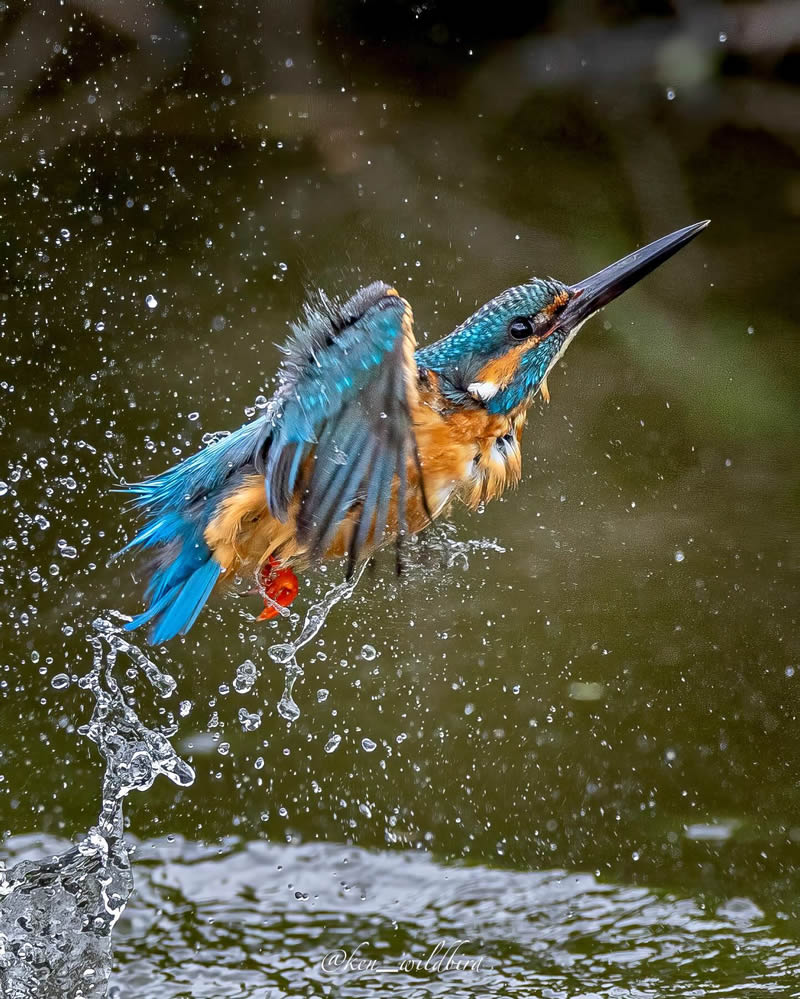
56 917
135 755
57 914
245 677
438 549
438 543
285 653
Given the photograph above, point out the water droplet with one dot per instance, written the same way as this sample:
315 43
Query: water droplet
249 721
193 417
368 745
287 708
226 80
259 764
723 37
218 323
281 653
711 831
3 488
224 748
582 691
261 402
670 94
333 743
184 708
212 438
245 677
679 556
365 810
322 695
368 652
60 681
151 301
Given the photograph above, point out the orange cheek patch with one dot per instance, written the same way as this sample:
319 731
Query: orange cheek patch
500 370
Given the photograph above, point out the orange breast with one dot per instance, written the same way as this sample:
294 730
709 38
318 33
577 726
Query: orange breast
459 450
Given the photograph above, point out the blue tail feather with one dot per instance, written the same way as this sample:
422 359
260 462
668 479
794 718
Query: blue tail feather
177 609
180 503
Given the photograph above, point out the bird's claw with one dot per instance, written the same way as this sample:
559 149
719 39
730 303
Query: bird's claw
279 585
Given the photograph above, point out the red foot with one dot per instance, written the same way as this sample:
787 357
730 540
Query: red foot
280 585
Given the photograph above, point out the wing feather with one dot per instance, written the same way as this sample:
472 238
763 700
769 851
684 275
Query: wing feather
342 428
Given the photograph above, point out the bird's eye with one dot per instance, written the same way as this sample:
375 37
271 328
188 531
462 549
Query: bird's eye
521 328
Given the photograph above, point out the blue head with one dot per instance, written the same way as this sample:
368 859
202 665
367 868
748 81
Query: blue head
500 357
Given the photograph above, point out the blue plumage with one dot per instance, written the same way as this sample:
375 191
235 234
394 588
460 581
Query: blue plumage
179 504
329 360
201 473
485 334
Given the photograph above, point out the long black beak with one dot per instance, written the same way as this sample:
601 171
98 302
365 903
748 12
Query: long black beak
603 287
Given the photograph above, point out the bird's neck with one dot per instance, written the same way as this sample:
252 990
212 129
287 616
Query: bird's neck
445 395
459 386
448 372
465 451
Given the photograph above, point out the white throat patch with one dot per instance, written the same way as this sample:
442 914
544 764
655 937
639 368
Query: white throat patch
562 349
484 391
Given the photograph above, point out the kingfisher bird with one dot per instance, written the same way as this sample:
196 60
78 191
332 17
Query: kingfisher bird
367 439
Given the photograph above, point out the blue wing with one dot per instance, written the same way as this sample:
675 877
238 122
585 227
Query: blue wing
345 401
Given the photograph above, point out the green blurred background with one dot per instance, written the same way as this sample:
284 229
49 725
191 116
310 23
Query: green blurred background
617 691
